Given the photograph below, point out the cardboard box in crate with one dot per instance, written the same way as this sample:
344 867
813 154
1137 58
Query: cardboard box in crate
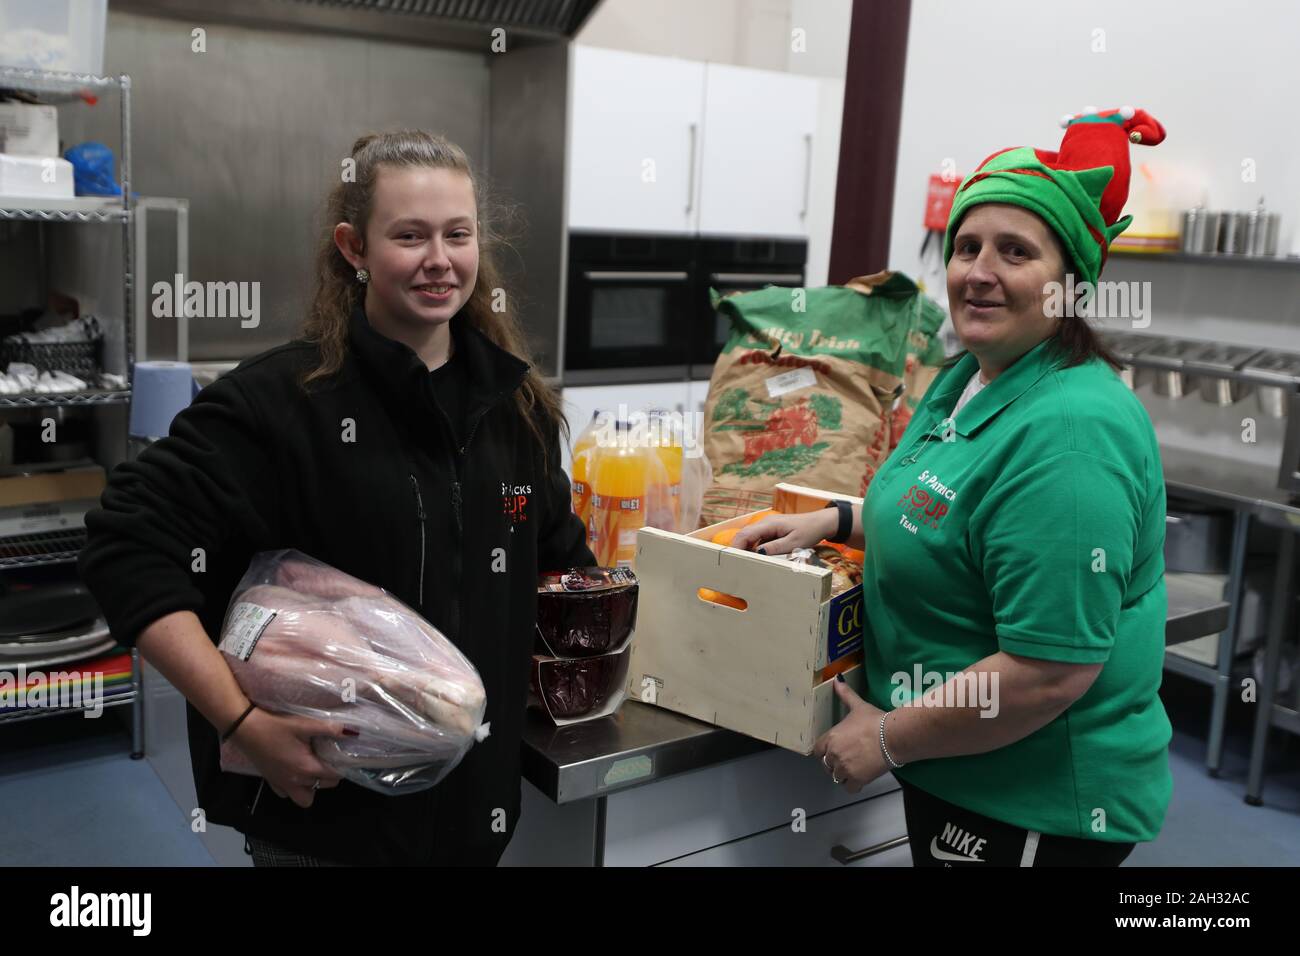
756 670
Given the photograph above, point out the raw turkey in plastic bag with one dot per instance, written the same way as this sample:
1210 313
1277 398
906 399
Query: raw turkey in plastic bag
304 638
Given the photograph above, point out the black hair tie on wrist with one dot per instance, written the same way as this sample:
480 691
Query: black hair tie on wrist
235 726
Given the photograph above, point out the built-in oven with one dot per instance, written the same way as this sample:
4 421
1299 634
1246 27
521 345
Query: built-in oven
727 265
631 302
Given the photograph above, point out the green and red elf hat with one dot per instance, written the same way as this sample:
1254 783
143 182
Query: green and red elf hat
1079 190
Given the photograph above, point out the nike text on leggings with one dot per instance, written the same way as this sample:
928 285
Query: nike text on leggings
942 834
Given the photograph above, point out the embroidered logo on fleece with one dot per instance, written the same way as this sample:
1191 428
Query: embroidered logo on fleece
514 502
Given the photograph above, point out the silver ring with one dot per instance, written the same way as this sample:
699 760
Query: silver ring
827 764
316 785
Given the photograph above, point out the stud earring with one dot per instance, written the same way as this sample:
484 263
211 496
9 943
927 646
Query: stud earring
363 276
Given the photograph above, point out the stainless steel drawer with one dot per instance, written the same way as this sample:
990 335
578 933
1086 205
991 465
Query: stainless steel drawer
861 833
695 811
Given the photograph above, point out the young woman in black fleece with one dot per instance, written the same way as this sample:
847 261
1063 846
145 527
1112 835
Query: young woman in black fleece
403 439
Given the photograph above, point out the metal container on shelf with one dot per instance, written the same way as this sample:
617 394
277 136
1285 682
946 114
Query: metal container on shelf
1221 391
1234 234
1264 240
1125 346
1201 231
1166 360
1211 231
1276 376
1259 229
1192 235
1212 368
1197 540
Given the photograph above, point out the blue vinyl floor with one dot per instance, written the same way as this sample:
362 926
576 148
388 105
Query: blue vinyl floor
71 795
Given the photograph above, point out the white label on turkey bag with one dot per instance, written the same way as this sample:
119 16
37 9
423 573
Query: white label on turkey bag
778 385
247 622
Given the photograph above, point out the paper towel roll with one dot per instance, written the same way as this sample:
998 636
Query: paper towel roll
159 392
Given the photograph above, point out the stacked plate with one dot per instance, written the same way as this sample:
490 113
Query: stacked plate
51 625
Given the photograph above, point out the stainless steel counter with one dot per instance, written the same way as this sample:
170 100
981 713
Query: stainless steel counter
641 744
635 746
1232 484
1196 606
1252 491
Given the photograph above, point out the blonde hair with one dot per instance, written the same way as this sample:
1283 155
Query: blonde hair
338 292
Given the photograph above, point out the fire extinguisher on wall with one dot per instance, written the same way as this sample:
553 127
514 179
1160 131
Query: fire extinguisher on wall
938 200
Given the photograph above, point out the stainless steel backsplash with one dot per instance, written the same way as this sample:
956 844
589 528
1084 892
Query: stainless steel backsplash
253 132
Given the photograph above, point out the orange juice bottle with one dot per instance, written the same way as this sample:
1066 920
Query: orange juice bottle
668 447
584 450
627 484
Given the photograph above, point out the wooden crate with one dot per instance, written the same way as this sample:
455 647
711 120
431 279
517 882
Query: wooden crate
754 670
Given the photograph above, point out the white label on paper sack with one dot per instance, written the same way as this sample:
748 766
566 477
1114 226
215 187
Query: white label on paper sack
247 622
778 385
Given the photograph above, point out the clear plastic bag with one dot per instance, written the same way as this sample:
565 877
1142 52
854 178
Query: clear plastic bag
304 638
697 477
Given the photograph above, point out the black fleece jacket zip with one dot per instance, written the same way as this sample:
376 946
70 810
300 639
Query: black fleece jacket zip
362 471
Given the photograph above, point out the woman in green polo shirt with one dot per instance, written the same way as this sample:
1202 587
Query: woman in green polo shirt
1014 576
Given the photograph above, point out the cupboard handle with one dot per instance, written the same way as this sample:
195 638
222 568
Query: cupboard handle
747 277
690 174
807 174
633 276
842 854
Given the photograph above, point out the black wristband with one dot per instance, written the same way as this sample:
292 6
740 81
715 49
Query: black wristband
235 726
845 528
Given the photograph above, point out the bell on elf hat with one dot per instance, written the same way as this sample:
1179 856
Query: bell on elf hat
1079 190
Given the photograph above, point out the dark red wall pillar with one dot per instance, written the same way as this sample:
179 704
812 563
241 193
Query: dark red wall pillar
873 112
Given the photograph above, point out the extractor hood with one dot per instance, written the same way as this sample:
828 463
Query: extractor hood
556 18
468 24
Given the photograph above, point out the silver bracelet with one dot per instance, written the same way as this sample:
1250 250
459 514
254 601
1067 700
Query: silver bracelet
885 750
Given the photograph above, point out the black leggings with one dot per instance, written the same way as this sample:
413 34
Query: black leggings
941 834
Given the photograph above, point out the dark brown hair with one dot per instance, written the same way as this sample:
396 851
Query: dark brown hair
1075 339
338 291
